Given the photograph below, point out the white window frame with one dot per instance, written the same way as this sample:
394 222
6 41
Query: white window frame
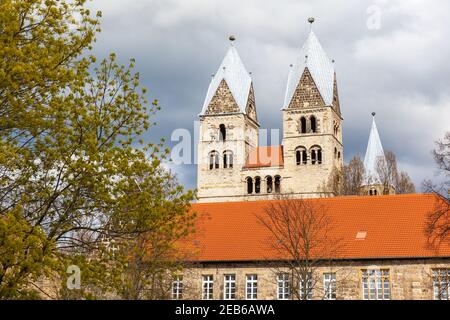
376 284
251 287
283 286
329 285
441 284
207 287
177 288
229 287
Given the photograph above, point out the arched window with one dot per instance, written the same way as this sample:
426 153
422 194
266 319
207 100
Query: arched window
301 156
339 155
228 159
257 185
222 133
277 184
313 124
302 125
316 155
213 160
335 153
269 182
313 156
249 185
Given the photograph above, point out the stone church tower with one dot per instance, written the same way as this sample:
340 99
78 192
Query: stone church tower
229 129
231 164
312 122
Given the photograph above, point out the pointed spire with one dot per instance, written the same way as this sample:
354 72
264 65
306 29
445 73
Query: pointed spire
233 71
313 57
374 151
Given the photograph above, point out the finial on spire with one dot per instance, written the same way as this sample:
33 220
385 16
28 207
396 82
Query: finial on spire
311 21
373 114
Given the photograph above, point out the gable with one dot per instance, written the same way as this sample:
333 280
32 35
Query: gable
336 105
250 110
222 101
307 94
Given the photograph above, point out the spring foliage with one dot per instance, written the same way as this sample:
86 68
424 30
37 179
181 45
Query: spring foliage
75 178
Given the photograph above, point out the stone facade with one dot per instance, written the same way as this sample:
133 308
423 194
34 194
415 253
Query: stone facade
322 133
222 101
307 94
409 279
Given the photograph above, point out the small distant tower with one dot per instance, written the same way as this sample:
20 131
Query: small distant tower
374 155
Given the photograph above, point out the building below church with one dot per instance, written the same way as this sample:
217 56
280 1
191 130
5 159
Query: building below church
384 250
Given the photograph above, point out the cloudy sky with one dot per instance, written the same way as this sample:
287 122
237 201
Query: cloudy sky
391 57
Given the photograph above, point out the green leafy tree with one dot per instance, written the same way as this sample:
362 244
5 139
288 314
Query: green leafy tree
77 185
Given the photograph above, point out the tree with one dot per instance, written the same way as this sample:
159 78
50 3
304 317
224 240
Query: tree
438 225
347 180
73 170
301 236
404 185
353 176
390 176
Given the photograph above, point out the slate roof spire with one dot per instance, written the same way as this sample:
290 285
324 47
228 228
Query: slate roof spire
374 152
313 57
233 71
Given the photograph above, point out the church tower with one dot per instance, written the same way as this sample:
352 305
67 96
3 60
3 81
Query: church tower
374 161
312 124
228 130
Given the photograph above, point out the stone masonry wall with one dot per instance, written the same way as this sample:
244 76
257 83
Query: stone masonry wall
222 101
409 279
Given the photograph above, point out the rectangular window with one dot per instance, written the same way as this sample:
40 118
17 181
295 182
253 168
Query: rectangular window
229 292
329 285
177 288
376 284
207 287
251 287
441 284
284 290
305 292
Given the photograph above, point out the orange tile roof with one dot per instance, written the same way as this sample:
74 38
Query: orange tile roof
269 156
393 227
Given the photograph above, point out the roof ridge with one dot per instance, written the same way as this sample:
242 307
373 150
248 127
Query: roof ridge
352 197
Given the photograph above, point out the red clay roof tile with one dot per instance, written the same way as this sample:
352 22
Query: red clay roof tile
269 156
394 225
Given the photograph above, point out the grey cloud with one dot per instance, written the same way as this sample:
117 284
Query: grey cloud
400 71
